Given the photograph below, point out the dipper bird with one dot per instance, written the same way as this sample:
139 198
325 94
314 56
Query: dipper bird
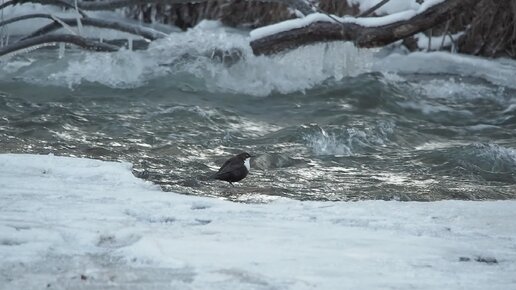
234 169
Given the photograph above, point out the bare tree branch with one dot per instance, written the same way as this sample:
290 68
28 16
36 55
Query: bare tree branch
24 17
300 5
62 3
444 34
145 32
48 39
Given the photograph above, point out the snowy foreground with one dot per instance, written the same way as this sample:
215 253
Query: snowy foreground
69 223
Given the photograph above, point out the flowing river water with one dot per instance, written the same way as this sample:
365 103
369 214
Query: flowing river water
325 122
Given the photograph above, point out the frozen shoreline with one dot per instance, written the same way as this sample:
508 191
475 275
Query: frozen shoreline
71 222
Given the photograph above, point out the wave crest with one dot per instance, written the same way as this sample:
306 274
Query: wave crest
349 141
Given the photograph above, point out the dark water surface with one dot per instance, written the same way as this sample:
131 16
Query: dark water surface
369 135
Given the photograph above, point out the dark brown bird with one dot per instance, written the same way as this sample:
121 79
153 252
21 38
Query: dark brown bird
235 168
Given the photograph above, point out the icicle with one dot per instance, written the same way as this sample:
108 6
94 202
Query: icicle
4 32
61 50
430 41
79 25
130 43
153 14
65 26
453 48
140 16
78 17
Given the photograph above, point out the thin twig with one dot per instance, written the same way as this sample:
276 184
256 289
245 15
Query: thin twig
430 40
444 34
373 9
23 17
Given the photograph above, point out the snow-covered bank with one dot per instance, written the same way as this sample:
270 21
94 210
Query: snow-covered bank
77 223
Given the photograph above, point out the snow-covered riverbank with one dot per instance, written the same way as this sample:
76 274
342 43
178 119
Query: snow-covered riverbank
86 224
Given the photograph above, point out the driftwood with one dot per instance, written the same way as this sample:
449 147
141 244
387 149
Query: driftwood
362 36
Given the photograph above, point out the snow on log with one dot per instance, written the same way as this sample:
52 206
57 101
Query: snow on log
365 32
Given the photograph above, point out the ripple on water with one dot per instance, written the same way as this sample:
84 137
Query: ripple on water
486 161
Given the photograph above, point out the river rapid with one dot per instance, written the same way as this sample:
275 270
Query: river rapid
325 122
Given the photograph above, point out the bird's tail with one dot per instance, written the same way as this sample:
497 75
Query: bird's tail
207 176
214 176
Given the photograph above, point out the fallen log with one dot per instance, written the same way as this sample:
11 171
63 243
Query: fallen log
364 32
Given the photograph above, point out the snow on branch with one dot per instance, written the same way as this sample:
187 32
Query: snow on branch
365 32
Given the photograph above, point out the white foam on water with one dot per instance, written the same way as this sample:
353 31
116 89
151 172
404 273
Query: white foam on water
498 72
220 60
433 145
392 178
199 51
452 89
15 65
296 70
122 69
496 156
325 143
349 141
432 109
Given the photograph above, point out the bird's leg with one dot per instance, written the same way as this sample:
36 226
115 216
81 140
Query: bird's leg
231 184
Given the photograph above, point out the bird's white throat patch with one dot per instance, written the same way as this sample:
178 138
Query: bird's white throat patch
247 164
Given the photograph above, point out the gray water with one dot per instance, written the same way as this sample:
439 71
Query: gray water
325 123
